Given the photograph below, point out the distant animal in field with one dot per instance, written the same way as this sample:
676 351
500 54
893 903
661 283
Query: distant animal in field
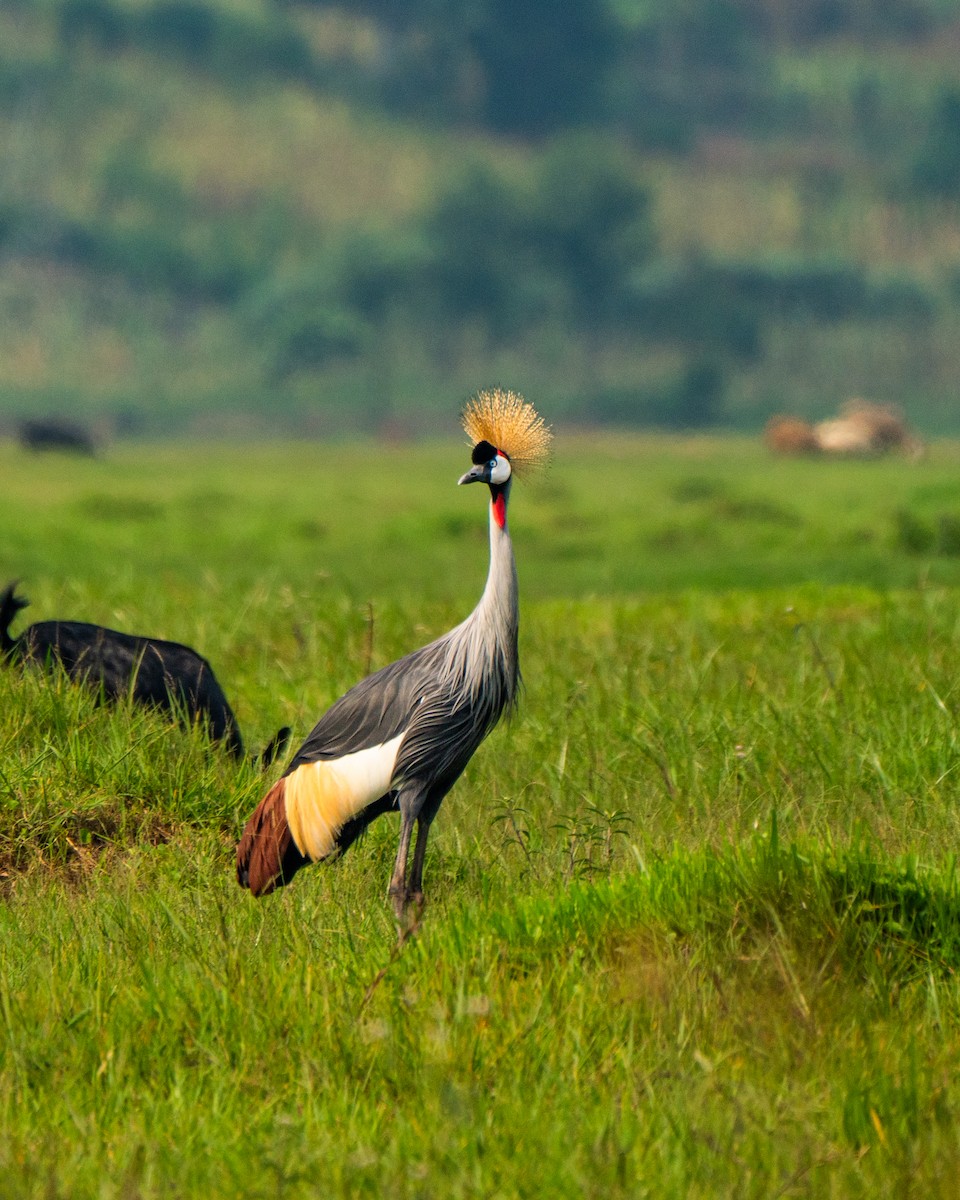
400 738
862 430
159 674
53 433
790 435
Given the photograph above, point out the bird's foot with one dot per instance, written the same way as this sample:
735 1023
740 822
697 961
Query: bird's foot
408 910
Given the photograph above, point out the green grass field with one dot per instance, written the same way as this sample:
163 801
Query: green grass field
693 917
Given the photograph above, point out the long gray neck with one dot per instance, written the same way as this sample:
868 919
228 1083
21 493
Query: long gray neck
498 609
484 647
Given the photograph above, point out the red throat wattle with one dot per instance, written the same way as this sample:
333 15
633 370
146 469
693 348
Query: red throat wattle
499 503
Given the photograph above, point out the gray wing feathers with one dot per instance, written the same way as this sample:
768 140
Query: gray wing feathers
445 698
441 739
377 709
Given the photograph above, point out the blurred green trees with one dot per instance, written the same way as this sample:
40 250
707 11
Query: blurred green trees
684 215
937 166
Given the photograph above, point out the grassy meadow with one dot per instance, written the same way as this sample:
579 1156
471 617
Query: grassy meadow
693 916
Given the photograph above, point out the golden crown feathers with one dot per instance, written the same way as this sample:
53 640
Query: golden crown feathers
510 424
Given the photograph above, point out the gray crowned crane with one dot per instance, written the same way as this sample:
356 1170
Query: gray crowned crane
400 738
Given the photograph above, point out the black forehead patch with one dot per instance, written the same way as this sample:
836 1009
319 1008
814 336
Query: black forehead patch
483 452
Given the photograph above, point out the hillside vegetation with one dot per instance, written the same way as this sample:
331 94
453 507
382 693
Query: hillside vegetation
255 215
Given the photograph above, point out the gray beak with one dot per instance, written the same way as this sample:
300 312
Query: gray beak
478 474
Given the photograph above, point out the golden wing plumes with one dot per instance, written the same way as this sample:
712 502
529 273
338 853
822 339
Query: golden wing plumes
508 422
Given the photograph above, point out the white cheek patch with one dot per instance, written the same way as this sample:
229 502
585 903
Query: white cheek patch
501 470
322 796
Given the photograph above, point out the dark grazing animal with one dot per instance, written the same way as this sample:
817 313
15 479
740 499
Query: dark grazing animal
161 674
53 433
401 737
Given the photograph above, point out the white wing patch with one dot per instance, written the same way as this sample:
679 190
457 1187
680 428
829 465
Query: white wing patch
322 796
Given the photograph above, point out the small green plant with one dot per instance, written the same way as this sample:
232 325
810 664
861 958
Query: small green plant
590 838
515 825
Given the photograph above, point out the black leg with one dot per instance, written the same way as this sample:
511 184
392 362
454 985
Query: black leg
415 886
398 881
410 802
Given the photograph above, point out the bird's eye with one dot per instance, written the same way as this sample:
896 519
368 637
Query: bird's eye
492 463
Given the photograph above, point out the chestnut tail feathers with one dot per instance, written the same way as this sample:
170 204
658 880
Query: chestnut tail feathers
267 855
